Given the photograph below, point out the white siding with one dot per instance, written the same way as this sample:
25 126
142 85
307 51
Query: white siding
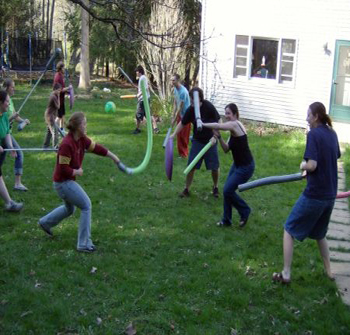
313 23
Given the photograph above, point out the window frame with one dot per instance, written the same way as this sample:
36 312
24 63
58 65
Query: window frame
280 54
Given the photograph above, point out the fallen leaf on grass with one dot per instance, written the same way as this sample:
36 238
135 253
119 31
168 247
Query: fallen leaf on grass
249 271
322 301
130 330
93 270
26 313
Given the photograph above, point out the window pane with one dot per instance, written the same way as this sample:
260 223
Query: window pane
241 51
264 58
287 68
240 39
284 78
287 58
241 61
288 46
241 71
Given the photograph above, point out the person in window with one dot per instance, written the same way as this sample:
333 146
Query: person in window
263 71
208 113
311 213
242 168
68 166
6 143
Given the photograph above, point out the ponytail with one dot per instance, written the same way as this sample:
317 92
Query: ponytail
317 108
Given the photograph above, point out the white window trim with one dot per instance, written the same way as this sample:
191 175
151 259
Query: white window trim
278 80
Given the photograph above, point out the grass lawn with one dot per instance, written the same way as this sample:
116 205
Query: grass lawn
161 263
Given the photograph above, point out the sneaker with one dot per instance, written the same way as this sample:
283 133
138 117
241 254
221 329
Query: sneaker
215 192
14 206
90 249
156 130
20 188
136 131
223 224
45 229
185 193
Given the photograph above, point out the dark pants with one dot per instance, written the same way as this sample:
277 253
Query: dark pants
237 175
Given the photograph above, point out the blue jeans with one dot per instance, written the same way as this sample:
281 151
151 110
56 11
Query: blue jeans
237 175
18 159
73 195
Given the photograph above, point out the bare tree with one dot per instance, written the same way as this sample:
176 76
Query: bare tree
162 60
163 28
84 80
128 18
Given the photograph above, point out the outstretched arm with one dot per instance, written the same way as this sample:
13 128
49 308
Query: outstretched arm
178 128
114 157
219 126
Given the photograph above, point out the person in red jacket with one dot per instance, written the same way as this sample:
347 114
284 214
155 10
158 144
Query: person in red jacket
59 78
68 166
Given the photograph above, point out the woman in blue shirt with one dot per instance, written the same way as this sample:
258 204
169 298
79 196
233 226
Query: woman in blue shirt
311 214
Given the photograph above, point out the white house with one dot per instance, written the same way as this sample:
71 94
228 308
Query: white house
275 57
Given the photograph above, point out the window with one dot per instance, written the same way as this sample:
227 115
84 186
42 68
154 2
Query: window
241 64
266 58
287 60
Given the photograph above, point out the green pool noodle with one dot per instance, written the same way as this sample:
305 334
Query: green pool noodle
198 157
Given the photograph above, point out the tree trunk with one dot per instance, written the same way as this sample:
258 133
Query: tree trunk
43 13
107 68
84 80
187 77
47 19
32 15
51 18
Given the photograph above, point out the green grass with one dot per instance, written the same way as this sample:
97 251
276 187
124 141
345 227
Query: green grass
161 262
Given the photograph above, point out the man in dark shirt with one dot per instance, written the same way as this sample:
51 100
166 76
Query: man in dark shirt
208 113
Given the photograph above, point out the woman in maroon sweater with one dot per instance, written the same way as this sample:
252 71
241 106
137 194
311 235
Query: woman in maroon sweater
69 165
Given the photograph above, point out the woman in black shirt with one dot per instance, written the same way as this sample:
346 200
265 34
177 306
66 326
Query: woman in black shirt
242 168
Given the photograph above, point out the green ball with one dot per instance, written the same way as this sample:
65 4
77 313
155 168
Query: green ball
110 107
